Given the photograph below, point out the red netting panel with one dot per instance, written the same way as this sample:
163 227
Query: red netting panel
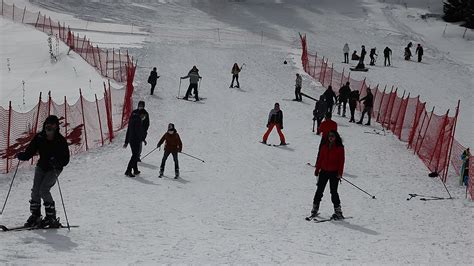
428 147
399 124
394 113
456 153
76 133
94 138
3 138
336 81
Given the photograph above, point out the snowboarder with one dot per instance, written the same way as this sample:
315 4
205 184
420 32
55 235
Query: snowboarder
408 51
387 53
134 136
299 82
465 167
354 56
319 111
353 100
419 52
327 126
145 124
173 146
54 156
275 119
345 49
194 78
331 98
329 167
152 80
373 56
344 93
235 75
368 104
361 65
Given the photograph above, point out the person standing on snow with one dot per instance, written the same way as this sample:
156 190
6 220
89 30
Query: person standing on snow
419 52
363 53
465 167
319 112
331 98
145 124
408 51
275 119
152 80
327 126
353 100
173 146
235 75
135 136
329 167
299 83
373 54
53 157
345 49
387 53
194 78
368 104
354 56
344 93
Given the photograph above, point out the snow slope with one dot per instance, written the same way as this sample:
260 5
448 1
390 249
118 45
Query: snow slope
246 204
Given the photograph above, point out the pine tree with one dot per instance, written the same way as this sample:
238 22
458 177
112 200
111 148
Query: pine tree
453 10
469 14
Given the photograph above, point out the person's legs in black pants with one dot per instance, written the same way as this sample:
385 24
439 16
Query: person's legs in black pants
195 87
333 184
232 83
352 109
385 61
319 121
163 161
362 116
237 80
344 103
152 88
133 163
322 181
369 114
188 91
419 58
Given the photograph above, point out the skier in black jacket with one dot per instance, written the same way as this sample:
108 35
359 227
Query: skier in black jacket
387 52
145 123
54 155
419 52
135 135
344 93
331 98
373 56
152 80
353 100
368 104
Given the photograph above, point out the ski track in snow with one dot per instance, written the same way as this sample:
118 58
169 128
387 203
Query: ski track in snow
247 203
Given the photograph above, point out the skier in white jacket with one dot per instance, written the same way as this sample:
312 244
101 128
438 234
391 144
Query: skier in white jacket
346 53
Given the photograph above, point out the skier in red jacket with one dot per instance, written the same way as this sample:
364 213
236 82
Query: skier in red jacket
329 167
327 126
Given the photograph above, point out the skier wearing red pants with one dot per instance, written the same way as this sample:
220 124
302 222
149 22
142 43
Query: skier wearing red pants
275 119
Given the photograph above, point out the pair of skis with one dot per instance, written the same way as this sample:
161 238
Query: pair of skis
274 145
30 228
317 219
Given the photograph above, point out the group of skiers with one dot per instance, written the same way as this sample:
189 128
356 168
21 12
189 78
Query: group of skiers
387 53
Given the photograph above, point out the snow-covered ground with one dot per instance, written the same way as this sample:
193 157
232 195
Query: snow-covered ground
247 202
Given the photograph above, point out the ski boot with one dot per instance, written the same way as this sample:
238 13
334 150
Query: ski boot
337 214
129 174
359 123
136 172
161 173
50 221
176 172
35 217
314 212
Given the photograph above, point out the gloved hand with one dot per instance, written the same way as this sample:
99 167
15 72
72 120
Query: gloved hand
281 127
144 142
316 172
158 146
22 156
268 125
182 78
125 145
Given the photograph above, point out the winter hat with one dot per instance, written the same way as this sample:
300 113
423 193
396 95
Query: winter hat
51 120
141 103
171 127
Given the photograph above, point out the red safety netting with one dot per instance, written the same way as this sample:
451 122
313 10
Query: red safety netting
85 124
431 136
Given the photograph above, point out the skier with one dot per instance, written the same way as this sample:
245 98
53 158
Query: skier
275 119
194 78
373 55
145 124
408 51
387 53
345 49
368 104
319 111
235 75
465 167
419 52
344 93
355 56
329 167
54 155
152 80
299 82
331 98
173 146
134 136
327 126
70 41
361 65
353 100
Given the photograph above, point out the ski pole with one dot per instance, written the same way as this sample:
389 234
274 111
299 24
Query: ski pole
62 200
149 153
357 187
11 184
193 157
179 89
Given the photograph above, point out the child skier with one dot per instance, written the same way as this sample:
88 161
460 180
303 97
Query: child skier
235 75
275 119
152 80
54 155
373 55
173 146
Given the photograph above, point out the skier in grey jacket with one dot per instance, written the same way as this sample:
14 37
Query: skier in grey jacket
194 78
299 82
